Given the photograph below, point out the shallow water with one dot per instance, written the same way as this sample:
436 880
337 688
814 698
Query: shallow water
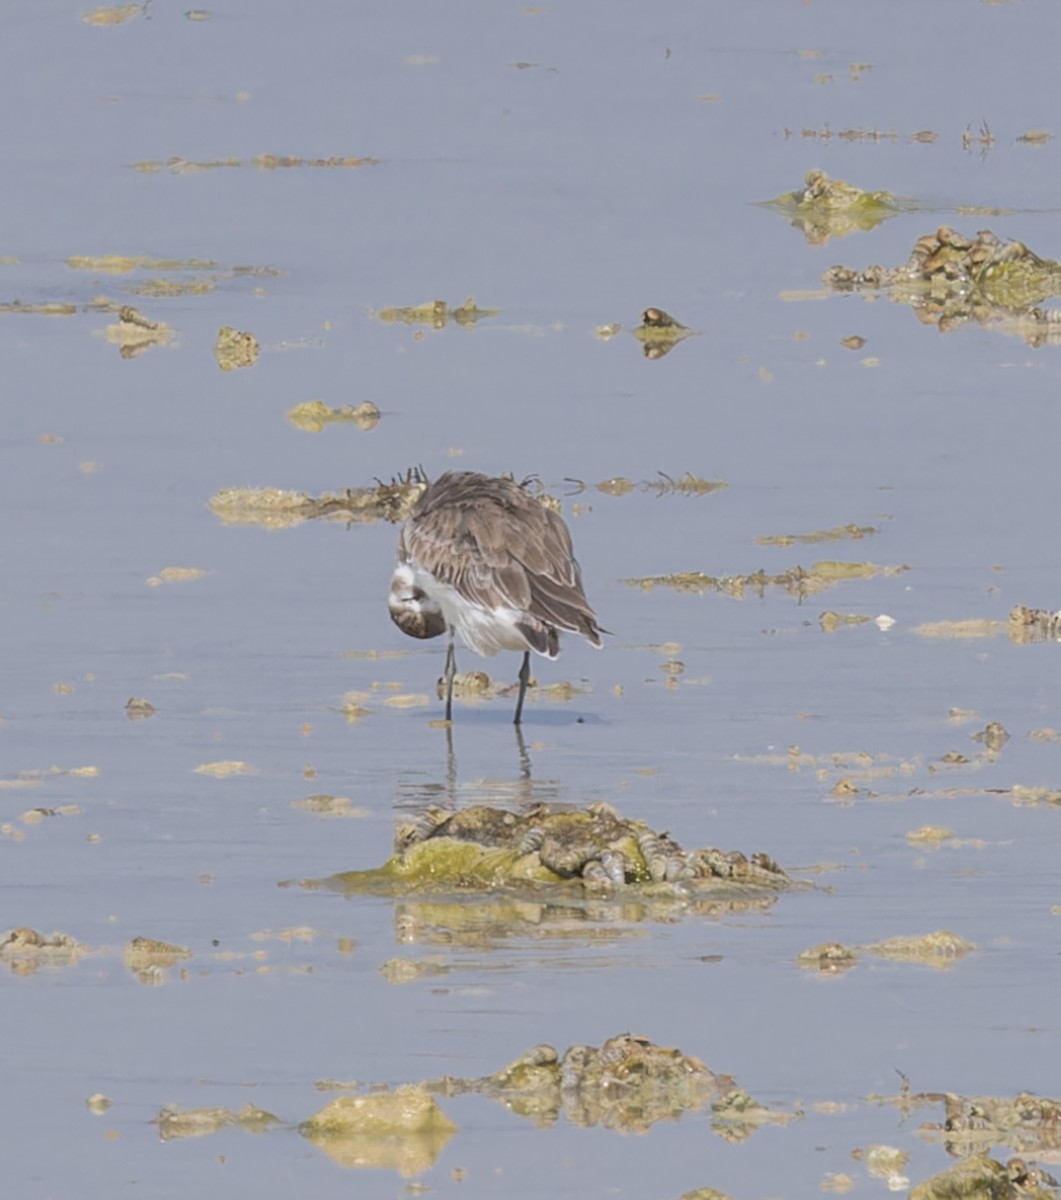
568 194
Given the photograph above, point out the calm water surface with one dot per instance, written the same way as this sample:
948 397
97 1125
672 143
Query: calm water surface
562 165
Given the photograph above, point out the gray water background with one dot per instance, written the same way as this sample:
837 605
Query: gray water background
568 194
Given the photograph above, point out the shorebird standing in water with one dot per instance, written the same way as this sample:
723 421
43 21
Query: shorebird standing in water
480 556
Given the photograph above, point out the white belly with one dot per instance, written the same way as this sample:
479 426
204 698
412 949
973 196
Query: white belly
484 630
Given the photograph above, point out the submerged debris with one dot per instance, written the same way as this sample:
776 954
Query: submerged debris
437 314
830 208
950 279
594 849
278 509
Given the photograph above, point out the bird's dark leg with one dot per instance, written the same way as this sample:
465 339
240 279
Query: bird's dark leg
524 757
451 670
524 676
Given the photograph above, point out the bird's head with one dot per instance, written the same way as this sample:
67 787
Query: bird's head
412 609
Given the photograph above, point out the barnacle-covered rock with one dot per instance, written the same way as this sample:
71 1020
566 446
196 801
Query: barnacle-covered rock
593 848
950 279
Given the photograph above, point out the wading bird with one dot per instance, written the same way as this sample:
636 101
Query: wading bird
482 557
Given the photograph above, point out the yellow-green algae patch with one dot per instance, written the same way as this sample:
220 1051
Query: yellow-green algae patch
177 575
275 508
314 415
827 208
437 314
114 15
836 534
831 621
235 349
798 581
685 485
224 769
408 1109
175 1122
403 1130
125 264
50 309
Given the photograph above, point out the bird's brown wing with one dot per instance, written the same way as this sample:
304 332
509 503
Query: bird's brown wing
500 547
